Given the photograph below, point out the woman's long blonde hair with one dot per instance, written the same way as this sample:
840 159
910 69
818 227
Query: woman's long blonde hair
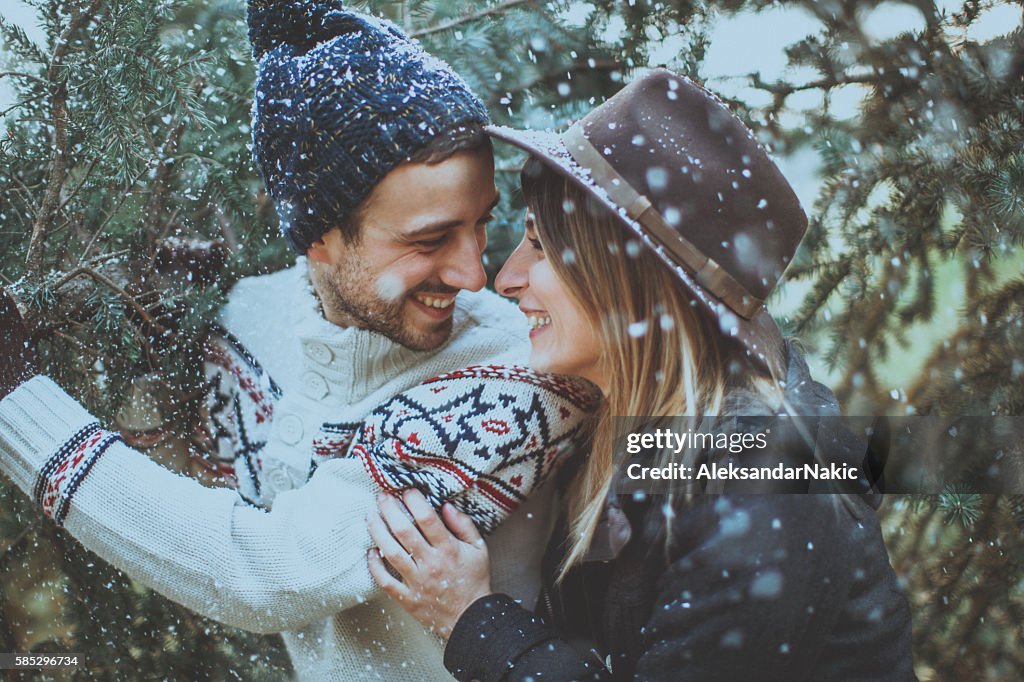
661 354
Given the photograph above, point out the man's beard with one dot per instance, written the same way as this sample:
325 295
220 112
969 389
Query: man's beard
349 290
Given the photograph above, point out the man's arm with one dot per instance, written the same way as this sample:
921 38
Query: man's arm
202 547
305 560
205 548
236 415
481 438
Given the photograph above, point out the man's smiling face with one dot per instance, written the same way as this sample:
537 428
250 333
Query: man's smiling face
421 236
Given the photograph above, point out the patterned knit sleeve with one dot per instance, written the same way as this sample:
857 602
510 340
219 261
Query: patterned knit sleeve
482 437
205 548
237 414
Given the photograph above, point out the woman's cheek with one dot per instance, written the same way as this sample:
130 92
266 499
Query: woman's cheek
539 357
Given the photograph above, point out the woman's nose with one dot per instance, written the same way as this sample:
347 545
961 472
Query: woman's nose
512 279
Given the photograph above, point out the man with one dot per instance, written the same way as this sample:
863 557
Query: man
374 155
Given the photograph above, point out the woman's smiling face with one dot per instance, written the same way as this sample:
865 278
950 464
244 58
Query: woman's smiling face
562 340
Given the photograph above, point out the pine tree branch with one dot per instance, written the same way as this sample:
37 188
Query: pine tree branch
230 236
606 65
81 347
55 181
967 341
111 284
448 25
22 103
22 74
111 214
24 193
911 557
59 159
197 84
918 393
8 637
64 41
17 540
153 209
979 529
980 599
858 360
85 176
826 285
783 89
104 257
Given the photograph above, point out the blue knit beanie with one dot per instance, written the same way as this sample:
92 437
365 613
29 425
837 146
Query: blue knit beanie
341 99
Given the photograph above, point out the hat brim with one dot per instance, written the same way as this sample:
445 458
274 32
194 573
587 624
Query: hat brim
759 335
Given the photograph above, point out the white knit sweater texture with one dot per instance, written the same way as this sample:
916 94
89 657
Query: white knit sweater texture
299 569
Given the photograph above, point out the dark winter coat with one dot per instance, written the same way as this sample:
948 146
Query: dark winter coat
754 587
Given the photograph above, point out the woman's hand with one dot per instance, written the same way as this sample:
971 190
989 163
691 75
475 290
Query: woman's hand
443 571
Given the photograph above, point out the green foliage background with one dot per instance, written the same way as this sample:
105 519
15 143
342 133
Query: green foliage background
131 125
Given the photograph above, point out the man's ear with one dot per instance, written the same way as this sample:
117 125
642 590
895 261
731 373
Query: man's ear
320 251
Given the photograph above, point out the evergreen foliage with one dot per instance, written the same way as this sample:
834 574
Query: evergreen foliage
924 182
131 128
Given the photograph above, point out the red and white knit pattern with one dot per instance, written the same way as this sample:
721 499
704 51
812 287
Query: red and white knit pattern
298 568
240 404
333 440
64 472
482 437
571 388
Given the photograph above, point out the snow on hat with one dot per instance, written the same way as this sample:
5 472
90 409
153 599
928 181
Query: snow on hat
341 98
681 171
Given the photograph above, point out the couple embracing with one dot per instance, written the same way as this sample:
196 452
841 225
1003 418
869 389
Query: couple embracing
415 496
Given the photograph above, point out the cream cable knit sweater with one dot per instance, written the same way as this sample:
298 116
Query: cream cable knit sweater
299 569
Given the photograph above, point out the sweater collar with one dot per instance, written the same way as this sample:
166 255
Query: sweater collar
347 364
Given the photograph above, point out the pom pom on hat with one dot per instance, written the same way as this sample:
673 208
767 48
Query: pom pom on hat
299 25
341 98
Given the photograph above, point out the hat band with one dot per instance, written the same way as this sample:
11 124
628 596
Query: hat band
709 273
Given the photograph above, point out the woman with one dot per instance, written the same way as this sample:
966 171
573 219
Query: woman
658 228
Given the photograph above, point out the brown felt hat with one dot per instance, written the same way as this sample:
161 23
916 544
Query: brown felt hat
687 176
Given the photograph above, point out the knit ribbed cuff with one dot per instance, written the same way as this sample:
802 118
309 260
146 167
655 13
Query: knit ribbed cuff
36 419
490 636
